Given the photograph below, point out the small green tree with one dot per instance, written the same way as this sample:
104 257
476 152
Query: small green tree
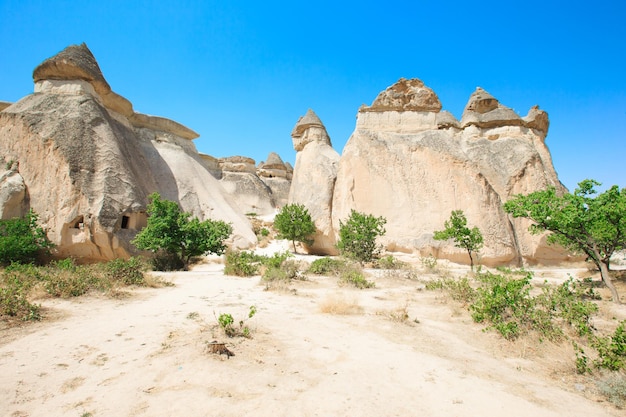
357 237
465 238
595 226
294 223
170 230
22 240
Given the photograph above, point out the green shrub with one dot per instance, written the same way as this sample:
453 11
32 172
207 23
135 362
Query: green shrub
357 237
294 223
567 302
274 261
241 264
227 323
505 303
14 298
66 283
174 232
389 262
129 272
22 240
429 262
612 349
165 261
354 276
327 266
458 289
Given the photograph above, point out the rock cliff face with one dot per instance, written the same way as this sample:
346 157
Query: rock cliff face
88 162
314 178
413 164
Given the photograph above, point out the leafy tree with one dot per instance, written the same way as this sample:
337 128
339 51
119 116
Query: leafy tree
580 222
170 230
357 237
465 238
294 223
22 240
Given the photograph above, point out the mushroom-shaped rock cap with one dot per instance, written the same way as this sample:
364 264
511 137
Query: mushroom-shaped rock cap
306 121
274 161
76 62
309 128
484 111
481 102
406 95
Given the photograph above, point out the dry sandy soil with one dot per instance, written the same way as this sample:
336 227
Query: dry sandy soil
147 355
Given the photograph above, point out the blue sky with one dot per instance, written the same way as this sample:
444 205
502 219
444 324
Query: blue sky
240 73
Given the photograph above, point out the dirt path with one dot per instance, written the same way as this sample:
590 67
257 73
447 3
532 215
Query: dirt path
147 356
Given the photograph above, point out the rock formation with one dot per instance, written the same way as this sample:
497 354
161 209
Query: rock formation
277 176
314 178
88 162
413 164
240 180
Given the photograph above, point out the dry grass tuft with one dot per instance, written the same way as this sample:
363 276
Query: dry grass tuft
339 304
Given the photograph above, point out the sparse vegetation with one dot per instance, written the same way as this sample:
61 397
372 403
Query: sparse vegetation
175 239
429 262
595 226
465 238
65 279
327 266
357 236
22 240
339 304
353 275
613 387
227 324
241 263
294 223
389 262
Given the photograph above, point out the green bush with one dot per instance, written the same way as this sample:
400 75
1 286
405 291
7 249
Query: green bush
612 349
14 298
173 232
458 289
357 237
505 303
22 240
294 223
241 264
227 323
129 272
274 261
354 276
327 266
389 262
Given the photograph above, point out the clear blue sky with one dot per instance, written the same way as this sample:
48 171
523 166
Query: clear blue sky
240 73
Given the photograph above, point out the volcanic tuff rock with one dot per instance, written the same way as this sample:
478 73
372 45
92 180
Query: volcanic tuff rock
314 178
240 180
413 164
88 161
277 176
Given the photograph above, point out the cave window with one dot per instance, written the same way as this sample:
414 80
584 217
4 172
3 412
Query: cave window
125 220
79 223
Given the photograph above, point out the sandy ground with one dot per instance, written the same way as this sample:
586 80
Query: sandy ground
147 355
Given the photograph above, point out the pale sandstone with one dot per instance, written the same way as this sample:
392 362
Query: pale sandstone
415 167
88 173
314 178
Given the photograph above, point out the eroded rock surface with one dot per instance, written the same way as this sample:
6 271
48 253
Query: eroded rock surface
413 164
314 178
88 161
